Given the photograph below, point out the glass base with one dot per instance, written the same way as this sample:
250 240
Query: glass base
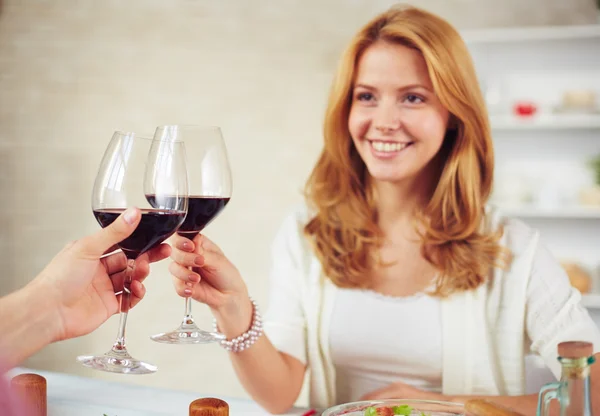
188 334
117 362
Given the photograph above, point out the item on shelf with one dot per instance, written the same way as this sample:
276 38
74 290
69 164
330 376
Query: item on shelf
580 101
525 108
580 279
591 194
595 165
513 188
493 97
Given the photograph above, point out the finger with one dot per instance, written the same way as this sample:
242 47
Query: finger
117 280
111 249
141 271
187 259
182 288
96 244
215 271
183 273
159 253
183 243
203 241
114 263
138 291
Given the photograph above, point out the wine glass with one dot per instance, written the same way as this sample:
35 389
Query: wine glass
151 175
210 185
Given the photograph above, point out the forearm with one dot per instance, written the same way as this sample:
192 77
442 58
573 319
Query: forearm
272 379
526 405
26 325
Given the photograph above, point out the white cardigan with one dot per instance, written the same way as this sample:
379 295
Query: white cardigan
486 332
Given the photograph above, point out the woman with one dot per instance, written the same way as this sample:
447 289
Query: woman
397 281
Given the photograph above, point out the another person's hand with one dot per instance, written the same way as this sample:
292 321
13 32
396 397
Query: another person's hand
403 391
202 271
81 283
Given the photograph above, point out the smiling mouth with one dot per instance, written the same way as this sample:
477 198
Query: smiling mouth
388 147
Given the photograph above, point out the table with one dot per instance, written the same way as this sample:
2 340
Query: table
70 395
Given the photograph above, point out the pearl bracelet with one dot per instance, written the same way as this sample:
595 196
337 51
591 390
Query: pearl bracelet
248 338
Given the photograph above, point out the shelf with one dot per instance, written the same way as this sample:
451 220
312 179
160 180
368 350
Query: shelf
591 300
533 33
546 122
574 212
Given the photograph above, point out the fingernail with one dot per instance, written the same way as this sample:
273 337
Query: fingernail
186 245
129 215
199 261
189 284
194 278
188 292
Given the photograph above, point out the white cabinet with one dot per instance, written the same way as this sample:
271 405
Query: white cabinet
541 160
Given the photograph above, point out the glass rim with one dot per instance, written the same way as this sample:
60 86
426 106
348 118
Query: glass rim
208 127
359 404
145 137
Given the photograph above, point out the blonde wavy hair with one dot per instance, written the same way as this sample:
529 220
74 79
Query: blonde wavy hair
344 230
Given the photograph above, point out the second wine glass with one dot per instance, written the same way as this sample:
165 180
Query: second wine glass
210 186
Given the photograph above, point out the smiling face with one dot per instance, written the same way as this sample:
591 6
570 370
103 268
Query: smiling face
396 121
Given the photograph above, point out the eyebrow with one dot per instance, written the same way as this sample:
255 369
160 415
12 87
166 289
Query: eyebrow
404 88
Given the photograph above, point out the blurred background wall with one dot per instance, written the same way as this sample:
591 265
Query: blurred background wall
71 72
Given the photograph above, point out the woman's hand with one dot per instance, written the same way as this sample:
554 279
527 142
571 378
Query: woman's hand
403 391
202 271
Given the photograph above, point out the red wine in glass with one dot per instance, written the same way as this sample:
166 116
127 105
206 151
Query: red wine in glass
154 227
201 211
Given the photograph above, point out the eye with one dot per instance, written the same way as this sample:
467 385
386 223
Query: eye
364 96
414 99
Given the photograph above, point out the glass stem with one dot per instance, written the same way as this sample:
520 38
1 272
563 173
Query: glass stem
119 345
188 319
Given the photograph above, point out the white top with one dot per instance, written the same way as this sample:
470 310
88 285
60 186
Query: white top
486 332
376 340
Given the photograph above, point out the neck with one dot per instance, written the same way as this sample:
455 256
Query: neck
397 202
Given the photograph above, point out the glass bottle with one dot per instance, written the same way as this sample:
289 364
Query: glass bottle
573 389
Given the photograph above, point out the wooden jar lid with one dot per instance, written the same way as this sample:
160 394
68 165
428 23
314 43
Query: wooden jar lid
31 391
209 407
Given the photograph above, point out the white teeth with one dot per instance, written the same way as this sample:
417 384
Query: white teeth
388 147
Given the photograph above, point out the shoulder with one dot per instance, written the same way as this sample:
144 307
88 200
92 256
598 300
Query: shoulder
293 223
290 239
517 236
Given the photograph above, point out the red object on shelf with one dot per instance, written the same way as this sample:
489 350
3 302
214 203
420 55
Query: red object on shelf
525 108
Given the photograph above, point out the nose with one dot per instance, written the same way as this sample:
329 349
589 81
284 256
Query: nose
387 119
